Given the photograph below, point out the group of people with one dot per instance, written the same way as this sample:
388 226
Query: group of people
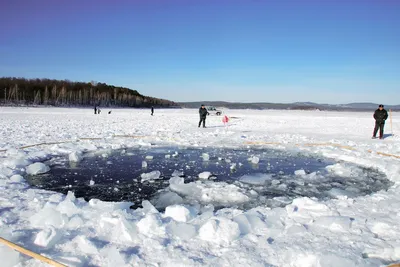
97 110
380 116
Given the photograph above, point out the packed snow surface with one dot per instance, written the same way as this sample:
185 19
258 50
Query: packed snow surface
346 231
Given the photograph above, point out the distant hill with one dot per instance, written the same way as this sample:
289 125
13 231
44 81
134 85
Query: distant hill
20 91
290 106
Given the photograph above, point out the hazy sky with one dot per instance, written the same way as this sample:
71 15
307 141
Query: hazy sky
187 50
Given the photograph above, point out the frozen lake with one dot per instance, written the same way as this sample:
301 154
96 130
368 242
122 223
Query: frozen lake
346 221
258 176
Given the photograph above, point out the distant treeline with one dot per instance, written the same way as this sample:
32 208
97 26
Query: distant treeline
290 106
21 91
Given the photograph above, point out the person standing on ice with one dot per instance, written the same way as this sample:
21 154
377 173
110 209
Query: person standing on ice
152 110
203 114
380 116
95 109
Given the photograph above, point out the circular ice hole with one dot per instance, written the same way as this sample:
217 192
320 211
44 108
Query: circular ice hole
276 179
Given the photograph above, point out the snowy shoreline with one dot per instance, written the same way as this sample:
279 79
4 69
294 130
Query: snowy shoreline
339 232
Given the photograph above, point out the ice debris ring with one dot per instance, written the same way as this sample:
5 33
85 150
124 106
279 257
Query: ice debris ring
78 139
322 144
247 143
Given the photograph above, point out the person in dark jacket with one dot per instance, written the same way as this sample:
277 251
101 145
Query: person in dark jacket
203 114
152 111
95 109
380 116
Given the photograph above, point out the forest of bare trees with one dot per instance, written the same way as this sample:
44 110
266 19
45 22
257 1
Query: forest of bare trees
21 91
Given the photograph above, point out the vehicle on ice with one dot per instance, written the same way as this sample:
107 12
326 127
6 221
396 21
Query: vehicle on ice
214 111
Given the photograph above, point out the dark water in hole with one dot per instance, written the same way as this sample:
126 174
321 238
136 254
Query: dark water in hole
117 175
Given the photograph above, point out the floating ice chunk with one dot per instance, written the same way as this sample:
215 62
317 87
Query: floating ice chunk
167 199
219 230
177 173
255 179
154 175
342 169
300 172
179 213
17 178
275 182
338 193
91 182
205 175
228 160
233 166
205 156
149 157
181 230
37 168
178 185
75 157
175 154
254 159
217 193
167 156
47 237
144 164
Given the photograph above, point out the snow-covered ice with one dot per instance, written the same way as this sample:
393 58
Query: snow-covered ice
184 227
